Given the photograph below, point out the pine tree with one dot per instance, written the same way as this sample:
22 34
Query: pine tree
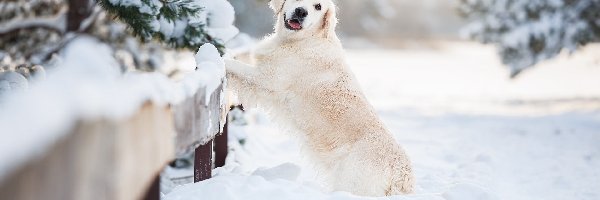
33 32
179 23
529 31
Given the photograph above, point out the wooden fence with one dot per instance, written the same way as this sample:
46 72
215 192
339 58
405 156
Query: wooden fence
122 159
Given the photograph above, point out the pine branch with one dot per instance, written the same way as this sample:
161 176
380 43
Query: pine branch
145 21
529 31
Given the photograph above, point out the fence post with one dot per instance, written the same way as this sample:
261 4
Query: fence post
79 10
203 162
221 147
154 190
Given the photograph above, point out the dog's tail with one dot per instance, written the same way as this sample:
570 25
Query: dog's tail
402 179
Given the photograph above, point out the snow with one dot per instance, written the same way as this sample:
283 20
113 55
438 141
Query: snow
151 7
240 44
208 53
224 34
220 13
178 29
212 66
220 19
470 131
87 84
126 2
286 171
250 187
465 191
166 26
217 15
10 81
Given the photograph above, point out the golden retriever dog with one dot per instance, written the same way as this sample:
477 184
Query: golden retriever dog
302 79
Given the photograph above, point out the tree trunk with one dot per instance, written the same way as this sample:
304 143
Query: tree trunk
79 10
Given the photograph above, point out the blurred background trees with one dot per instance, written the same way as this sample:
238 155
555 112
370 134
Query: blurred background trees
33 33
529 31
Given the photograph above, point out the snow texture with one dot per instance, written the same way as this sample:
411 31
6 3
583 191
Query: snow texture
250 187
220 19
217 15
220 13
12 81
286 171
212 66
85 85
471 133
194 19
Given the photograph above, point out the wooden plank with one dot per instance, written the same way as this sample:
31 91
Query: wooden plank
196 121
99 159
203 162
221 147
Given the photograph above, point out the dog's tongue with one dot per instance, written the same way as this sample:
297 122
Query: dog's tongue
294 24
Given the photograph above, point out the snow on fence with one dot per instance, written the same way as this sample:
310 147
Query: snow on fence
88 132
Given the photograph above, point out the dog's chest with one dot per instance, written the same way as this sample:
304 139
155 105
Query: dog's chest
283 68
293 67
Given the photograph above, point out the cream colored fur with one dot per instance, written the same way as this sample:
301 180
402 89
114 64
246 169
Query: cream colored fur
303 80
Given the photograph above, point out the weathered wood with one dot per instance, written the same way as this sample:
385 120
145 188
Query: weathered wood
203 162
99 159
196 121
221 147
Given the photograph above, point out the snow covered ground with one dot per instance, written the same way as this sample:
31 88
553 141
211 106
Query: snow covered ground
471 132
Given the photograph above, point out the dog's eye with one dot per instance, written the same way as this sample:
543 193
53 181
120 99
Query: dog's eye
318 6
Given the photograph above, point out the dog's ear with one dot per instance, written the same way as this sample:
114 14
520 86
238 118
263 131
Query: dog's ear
329 22
277 5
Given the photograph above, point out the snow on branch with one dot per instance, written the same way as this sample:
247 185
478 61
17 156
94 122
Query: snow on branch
529 31
179 23
56 23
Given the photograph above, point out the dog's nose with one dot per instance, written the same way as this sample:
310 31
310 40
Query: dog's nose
301 12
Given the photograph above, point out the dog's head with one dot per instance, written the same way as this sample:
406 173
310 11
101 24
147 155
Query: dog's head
297 18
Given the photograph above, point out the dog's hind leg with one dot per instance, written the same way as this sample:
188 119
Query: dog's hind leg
245 81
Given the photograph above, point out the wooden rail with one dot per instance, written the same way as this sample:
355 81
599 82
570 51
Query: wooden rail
122 159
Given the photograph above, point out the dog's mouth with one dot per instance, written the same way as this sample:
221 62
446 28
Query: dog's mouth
293 24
